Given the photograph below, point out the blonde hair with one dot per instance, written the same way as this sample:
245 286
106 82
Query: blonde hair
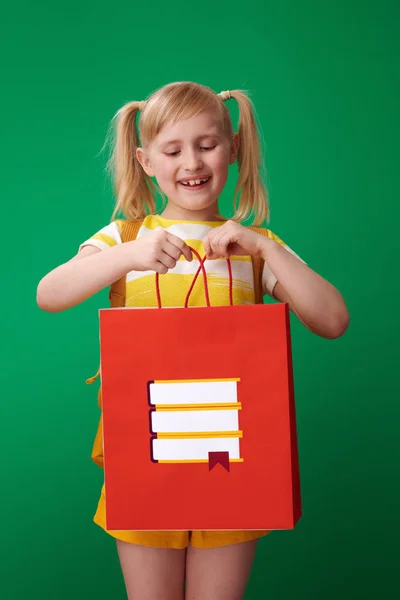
179 101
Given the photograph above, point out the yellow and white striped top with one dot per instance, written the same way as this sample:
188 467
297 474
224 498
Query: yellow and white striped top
174 286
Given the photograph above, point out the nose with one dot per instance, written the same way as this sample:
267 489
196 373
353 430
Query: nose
192 161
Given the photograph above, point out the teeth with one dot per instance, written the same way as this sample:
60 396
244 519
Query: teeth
194 182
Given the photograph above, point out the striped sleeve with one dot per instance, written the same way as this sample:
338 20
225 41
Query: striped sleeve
107 237
268 278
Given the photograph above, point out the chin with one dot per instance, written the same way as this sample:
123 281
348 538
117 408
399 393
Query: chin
195 204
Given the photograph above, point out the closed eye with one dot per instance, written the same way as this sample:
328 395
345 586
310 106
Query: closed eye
201 148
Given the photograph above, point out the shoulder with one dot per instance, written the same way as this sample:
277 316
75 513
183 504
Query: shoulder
268 233
106 237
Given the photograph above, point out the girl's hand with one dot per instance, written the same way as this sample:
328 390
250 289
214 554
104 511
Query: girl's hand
232 239
158 252
93 269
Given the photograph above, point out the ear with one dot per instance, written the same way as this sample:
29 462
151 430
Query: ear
234 148
144 160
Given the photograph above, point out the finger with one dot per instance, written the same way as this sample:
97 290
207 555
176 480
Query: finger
223 245
181 245
213 253
212 238
219 245
172 250
160 268
166 260
207 247
210 254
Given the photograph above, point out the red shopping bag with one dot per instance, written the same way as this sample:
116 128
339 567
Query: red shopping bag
199 418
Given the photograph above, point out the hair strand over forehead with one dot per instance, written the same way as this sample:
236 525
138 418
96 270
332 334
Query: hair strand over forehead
178 102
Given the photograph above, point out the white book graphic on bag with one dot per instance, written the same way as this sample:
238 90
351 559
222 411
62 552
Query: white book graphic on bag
195 421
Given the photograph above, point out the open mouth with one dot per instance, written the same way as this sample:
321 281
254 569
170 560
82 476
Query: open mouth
195 184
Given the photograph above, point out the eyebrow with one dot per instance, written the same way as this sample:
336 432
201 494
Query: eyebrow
200 137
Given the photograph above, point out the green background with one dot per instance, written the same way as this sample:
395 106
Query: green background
325 81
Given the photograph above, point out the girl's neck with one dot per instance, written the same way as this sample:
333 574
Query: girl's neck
173 213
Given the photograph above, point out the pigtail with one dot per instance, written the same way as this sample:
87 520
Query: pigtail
133 188
254 195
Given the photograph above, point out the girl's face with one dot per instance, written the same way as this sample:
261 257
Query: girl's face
190 161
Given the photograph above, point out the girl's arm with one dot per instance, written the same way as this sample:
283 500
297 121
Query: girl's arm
315 301
92 269
81 277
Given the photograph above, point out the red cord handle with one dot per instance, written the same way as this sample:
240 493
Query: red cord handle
201 268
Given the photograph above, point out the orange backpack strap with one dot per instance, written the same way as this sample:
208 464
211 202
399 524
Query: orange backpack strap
117 294
258 266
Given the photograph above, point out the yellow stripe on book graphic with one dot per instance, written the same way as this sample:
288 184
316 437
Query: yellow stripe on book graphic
198 460
196 380
199 434
185 407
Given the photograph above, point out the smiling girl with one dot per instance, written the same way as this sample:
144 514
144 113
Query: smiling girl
187 144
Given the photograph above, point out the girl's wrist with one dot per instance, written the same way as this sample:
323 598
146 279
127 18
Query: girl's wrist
265 247
126 256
